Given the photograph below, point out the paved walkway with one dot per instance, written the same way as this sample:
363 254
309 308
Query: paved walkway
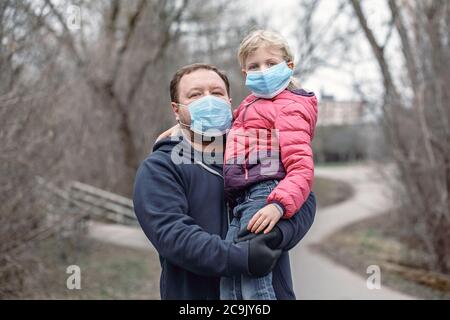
132 237
317 277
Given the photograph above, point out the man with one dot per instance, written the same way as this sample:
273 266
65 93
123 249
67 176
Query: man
179 202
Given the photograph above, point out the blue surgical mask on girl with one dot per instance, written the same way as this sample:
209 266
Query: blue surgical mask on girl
270 82
210 116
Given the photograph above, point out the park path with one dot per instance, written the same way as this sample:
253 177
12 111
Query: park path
318 277
131 237
314 275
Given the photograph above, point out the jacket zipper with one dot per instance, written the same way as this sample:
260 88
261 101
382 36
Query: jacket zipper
246 108
243 121
245 170
204 166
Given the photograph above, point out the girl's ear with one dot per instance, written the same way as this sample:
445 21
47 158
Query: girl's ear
290 64
244 73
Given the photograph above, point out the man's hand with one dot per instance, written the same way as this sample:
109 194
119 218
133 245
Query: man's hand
273 239
168 132
265 219
263 252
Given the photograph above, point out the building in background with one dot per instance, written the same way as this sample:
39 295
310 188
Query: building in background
346 131
339 113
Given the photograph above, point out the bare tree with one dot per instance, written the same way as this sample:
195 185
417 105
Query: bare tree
86 103
417 116
320 43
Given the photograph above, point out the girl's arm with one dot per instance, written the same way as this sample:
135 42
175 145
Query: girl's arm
295 124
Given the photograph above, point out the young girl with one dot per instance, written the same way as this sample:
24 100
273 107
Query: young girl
268 165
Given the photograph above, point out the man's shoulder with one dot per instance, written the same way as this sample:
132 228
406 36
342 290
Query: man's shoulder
163 150
156 160
171 155
155 156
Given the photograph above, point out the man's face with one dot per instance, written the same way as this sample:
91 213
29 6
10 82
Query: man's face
196 85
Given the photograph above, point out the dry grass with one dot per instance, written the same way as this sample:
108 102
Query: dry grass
330 192
107 272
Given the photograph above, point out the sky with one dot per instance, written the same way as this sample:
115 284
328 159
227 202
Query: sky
282 15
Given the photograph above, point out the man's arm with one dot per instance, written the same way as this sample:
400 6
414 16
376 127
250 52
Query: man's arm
295 228
161 207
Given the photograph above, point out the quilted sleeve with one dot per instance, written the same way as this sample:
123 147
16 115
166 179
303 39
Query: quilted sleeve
295 126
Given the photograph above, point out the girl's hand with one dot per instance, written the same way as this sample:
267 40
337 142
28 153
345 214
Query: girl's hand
265 219
167 133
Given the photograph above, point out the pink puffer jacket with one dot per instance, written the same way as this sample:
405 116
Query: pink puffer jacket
293 115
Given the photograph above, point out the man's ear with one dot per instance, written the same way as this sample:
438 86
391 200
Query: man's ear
290 64
176 109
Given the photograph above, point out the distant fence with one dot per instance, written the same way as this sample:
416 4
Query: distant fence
102 204
88 202
67 211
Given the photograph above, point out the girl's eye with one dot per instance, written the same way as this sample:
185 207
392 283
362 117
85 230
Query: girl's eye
252 67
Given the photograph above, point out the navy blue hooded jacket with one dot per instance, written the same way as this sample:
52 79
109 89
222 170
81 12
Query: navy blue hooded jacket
181 209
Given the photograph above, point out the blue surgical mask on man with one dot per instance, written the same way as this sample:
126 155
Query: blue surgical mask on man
210 116
270 82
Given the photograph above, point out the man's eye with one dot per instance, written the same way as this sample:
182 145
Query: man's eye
195 94
218 93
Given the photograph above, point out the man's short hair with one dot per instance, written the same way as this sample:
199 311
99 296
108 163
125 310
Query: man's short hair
189 69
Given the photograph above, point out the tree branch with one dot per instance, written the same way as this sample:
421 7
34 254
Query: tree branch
391 90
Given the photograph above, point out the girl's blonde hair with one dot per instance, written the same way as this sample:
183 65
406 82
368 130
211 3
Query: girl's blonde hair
266 38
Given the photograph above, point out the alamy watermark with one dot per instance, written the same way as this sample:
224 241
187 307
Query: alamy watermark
246 147
73 282
373 282
73 17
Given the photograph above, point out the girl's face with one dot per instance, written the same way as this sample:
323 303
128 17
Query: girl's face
263 58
